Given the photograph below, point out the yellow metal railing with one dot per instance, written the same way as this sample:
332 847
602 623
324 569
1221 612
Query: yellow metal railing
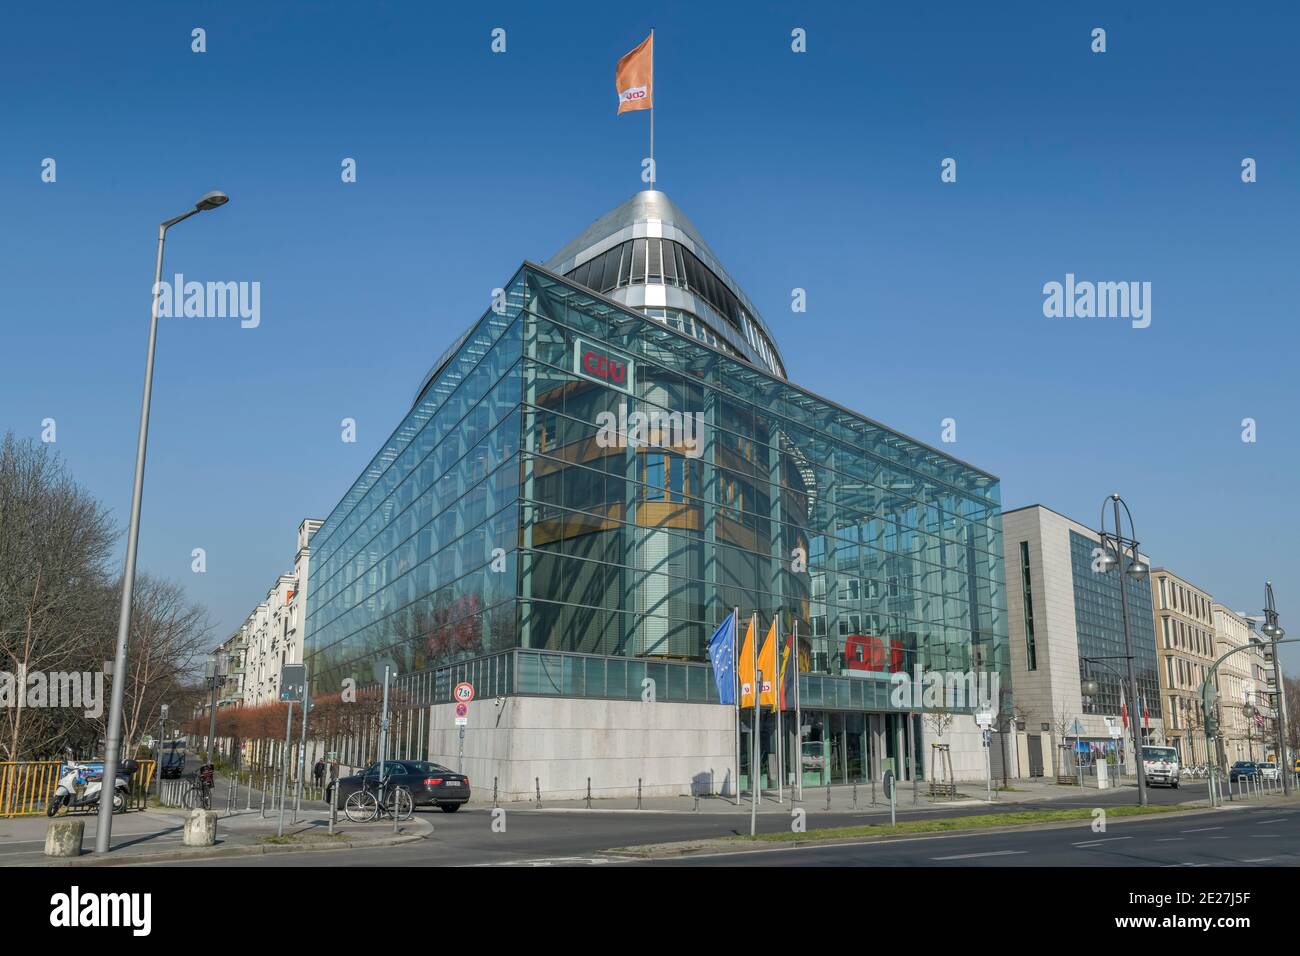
27 785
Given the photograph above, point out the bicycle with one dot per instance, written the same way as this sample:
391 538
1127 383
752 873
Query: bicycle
199 795
365 805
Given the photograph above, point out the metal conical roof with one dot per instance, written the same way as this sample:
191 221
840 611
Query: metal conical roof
698 307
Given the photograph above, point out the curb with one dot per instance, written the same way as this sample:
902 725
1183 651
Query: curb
670 851
175 856
238 850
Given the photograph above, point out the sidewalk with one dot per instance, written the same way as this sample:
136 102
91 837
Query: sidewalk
155 835
842 799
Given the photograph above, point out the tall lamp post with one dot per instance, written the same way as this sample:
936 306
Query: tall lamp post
1274 632
113 741
1120 554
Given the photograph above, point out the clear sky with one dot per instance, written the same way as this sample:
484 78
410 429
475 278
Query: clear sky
817 170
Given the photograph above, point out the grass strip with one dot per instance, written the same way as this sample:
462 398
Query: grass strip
974 821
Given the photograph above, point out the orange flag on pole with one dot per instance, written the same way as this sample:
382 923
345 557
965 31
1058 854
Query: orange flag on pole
745 667
634 77
767 666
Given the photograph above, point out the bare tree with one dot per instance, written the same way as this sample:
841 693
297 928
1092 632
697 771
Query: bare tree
58 611
55 542
167 636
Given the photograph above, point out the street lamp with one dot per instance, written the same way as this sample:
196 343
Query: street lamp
113 737
1117 550
1275 632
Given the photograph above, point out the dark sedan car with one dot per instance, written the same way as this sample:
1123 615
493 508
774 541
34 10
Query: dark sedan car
1243 769
430 784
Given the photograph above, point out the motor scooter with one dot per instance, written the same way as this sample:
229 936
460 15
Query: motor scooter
82 782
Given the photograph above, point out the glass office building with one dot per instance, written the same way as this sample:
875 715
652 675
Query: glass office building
1099 623
583 489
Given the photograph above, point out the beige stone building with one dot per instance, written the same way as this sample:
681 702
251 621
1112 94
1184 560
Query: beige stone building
1236 684
1065 624
1185 643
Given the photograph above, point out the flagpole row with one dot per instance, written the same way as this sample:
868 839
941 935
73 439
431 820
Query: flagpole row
753 744
735 690
798 718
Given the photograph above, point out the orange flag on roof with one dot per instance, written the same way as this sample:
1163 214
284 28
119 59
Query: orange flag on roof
634 77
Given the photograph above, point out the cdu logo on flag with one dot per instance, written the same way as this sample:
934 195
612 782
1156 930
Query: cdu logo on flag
722 653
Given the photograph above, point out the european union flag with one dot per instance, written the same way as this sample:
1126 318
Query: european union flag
722 652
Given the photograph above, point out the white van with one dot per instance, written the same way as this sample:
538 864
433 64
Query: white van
1160 764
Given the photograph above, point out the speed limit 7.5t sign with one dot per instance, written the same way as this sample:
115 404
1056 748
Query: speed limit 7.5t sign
464 692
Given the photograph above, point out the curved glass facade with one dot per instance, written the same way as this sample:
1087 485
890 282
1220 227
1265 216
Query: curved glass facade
505 513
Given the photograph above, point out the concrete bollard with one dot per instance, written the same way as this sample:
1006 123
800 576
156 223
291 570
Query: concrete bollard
63 837
201 828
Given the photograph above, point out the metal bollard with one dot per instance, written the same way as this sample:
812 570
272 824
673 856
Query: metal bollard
695 792
249 804
263 796
828 792
914 788
588 793
230 797
538 782
494 793
873 791
638 793
855 794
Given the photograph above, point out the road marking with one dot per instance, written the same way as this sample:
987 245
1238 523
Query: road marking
971 856
1258 859
1200 830
1278 820
560 860
1100 842
1168 839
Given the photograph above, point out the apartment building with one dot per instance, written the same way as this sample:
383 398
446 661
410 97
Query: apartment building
1239 731
1184 623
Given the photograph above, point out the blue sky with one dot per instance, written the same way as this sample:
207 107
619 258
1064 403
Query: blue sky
817 170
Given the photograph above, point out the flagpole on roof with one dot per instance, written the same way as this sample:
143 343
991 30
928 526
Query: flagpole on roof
653 171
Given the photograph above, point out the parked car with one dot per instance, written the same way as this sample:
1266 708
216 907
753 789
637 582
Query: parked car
1160 765
430 784
1243 770
1269 770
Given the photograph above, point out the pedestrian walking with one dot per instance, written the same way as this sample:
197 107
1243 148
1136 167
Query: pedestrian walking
318 771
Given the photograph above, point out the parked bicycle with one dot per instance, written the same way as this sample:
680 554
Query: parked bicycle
368 804
199 795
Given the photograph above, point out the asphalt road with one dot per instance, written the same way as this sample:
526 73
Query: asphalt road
1262 835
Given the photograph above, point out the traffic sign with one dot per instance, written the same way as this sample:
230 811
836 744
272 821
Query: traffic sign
988 738
984 719
461 710
464 692
293 682
461 722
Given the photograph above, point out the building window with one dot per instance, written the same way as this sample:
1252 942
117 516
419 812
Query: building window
1031 654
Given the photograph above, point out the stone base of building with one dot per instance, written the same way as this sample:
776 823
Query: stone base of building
555 744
